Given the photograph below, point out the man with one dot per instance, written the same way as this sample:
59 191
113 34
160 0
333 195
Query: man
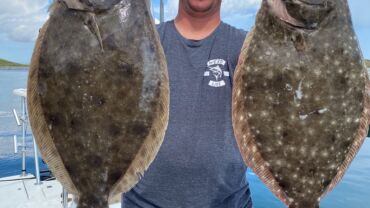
199 164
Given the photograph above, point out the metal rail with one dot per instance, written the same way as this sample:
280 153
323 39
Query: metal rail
23 122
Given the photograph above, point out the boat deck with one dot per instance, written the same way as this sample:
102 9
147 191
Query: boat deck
22 192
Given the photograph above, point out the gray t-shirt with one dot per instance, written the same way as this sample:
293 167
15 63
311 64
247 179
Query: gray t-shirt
199 164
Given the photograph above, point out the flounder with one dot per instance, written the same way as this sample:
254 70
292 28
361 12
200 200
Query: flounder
300 107
98 96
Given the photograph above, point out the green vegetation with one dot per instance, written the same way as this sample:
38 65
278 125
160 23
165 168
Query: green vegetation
5 63
367 63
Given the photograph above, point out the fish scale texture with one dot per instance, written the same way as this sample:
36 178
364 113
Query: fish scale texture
300 107
98 98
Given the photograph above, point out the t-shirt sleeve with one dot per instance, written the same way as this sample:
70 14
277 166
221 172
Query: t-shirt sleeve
236 40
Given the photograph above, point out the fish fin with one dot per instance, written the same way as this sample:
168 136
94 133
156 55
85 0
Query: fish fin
368 95
37 120
361 134
53 6
249 156
91 23
310 205
150 147
153 141
146 153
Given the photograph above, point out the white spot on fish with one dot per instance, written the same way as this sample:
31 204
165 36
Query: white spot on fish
278 128
323 110
311 131
279 162
303 151
303 117
289 87
325 153
292 148
295 175
270 74
332 166
254 149
264 114
313 152
317 72
298 92
241 118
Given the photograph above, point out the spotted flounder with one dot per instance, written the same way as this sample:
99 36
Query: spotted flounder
300 106
98 96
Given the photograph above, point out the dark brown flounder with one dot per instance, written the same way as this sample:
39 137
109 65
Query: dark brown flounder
98 96
300 106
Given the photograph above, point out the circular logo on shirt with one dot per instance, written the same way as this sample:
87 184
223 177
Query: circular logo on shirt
216 72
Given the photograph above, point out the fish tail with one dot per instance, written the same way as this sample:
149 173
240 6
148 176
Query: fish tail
304 205
92 200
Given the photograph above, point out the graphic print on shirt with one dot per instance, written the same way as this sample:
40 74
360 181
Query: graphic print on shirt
216 72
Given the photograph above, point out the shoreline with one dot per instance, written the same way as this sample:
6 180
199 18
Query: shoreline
14 67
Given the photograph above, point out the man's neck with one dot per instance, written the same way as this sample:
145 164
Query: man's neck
196 27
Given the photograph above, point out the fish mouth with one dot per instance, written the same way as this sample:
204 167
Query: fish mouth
299 14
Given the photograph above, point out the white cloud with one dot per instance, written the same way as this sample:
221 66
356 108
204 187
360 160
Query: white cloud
239 7
240 14
360 13
171 9
21 20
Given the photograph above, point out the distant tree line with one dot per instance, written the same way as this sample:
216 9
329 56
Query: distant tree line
6 63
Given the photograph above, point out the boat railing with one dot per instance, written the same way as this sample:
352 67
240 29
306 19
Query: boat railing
22 121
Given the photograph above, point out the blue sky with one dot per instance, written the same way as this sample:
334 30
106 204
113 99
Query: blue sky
20 21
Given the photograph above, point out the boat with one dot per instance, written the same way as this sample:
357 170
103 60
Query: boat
32 190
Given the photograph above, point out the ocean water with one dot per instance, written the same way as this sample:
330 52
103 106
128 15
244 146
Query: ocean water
10 163
352 192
